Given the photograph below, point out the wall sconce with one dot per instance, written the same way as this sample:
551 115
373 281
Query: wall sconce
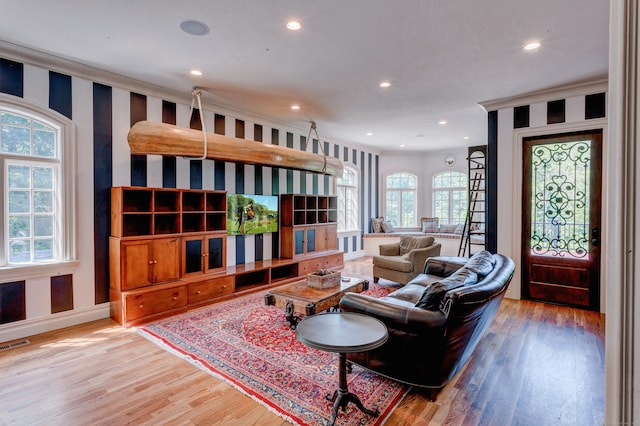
449 160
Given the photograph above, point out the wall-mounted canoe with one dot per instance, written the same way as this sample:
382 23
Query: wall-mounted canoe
146 137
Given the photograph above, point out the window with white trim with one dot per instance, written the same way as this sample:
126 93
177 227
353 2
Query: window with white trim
37 205
401 200
347 187
450 191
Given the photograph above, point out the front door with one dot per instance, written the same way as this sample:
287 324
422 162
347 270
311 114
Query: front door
561 206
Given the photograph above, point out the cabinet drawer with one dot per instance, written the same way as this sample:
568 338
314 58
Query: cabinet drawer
210 289
154 302
308 266
333 260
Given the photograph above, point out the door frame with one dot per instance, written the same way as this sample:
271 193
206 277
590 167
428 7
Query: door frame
516 196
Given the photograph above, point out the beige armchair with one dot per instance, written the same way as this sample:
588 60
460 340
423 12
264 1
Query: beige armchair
403 261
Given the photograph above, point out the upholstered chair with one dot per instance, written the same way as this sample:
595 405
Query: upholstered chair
401 262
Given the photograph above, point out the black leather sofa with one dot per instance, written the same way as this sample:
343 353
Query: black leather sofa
428 346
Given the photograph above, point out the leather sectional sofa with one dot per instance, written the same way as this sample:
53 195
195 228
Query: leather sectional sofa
428 344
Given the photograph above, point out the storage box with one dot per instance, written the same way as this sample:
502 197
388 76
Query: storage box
323 278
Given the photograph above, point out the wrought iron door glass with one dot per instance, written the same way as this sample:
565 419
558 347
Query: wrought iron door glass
560 199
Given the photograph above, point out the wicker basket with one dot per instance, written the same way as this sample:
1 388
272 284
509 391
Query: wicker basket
323 278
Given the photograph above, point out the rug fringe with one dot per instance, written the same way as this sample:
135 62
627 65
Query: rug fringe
202 366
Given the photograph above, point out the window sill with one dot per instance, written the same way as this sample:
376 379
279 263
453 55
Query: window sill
22 272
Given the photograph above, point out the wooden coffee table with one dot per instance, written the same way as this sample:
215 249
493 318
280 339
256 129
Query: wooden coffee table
299 298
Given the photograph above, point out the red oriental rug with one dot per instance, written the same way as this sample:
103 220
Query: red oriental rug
250 346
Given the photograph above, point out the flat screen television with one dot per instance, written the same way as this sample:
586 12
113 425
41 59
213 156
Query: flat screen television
251 214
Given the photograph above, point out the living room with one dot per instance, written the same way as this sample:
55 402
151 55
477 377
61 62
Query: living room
101 106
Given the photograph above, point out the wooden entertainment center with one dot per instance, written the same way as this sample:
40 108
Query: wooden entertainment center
168 250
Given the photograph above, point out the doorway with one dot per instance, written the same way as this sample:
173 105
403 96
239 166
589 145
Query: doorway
561 207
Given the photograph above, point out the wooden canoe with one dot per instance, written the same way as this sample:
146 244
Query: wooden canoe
146 137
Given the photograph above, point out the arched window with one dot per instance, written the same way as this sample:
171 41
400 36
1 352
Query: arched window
401 199
37 210
450 197
348 201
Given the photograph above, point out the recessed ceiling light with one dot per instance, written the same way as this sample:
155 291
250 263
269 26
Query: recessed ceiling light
195 72
385 84
193 27
466 138
442 122
401 145
369 134
294 25
295 107
534 45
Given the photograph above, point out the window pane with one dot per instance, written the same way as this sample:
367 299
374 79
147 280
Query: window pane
41 126
19 202
393 206
19 176
43 202
408 209
19 251
43 249
43 226
15 140
9 118
43 177
44 143
19 227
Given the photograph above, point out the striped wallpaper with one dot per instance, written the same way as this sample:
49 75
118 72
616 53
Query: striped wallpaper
103 115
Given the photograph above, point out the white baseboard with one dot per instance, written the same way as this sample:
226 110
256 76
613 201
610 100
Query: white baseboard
26 328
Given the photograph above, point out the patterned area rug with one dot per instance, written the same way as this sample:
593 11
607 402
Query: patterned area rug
251 346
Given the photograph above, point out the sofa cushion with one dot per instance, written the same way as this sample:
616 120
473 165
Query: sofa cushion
443 266
387 227
429 224
434 293
481 263
408 243
395 263
376 224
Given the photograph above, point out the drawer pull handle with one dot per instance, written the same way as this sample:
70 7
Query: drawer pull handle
155 261
141 305
198 292
151 262
174 298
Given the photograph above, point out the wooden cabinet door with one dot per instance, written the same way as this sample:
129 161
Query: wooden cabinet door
137 263
321 238
331 237
215 253
166 260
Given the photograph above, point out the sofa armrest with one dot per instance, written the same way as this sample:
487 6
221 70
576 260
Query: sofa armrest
392 249
394 316
419 256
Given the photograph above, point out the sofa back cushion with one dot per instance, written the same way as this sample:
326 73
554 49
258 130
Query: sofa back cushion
408 243
434 293
481 263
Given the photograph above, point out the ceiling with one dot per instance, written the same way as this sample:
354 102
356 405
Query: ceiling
442 57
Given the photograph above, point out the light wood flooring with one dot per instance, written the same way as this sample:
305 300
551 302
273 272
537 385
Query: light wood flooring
538 365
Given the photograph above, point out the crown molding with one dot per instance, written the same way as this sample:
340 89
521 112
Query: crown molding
544 95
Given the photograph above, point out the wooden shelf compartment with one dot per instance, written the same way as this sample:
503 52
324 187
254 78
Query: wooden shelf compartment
299 217
166 200
136 224
284 272
216 221
192 222
216 202
312 202
136 200
299 202
166 223
311 217
193 201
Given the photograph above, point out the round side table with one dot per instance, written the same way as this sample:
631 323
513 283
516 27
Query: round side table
343 332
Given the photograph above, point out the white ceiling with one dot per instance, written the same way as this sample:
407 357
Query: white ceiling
442 57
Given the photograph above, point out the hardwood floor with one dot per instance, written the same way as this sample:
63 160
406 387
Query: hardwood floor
538 365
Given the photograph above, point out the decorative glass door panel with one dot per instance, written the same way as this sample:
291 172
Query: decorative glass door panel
561 218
